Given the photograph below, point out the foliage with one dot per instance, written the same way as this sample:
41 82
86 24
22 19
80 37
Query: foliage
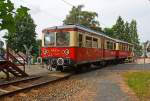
127 35
7 12
134 37
85 18
36 49
24 35
118 28
139 82
11 39
109 32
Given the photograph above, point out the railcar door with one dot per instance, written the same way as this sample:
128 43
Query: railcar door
103 47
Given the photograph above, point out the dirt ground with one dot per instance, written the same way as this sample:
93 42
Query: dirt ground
36 69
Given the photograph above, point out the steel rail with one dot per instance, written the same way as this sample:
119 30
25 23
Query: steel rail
41 83
18 81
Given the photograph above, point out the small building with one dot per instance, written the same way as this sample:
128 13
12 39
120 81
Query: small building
146 49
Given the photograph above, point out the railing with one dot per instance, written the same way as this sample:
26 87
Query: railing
11 56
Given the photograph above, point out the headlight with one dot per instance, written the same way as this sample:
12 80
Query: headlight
45 51
67 52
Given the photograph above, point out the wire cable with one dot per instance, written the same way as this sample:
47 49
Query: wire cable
68 3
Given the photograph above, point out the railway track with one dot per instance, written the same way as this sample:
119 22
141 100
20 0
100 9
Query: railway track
14 87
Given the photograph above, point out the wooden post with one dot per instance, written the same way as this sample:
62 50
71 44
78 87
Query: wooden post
144 52
7 51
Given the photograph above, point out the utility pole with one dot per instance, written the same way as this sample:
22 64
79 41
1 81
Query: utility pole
28 55
144 52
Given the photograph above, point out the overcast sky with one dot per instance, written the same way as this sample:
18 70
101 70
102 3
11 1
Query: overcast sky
47 13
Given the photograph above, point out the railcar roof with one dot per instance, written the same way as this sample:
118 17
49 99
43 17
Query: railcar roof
88 30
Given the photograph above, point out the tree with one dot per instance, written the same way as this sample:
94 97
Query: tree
118 28
133 31
109 32
135 37
36 49
127 35
85 18
24 35
7 12
10 39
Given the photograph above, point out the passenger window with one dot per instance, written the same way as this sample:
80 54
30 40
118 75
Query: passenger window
80 40
100 43
130 48
126 48
123 47
109 45
114 46
120 46
95 43
88 41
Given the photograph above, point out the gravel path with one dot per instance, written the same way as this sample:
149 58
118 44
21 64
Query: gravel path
103 86
109 89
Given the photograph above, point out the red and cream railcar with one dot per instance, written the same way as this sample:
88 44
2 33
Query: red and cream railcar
124 50
73 45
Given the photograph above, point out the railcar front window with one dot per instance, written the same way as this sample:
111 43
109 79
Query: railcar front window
62 38
49 39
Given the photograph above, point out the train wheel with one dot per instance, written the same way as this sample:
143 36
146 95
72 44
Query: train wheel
97 64
60 68
114 62
104 63
82 68
85 67
76 69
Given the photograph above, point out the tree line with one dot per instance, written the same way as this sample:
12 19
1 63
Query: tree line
21 26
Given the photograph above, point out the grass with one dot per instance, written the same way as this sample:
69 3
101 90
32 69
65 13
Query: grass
139 82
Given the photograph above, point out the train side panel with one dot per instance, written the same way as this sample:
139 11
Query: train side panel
85 55
123 54
109 54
